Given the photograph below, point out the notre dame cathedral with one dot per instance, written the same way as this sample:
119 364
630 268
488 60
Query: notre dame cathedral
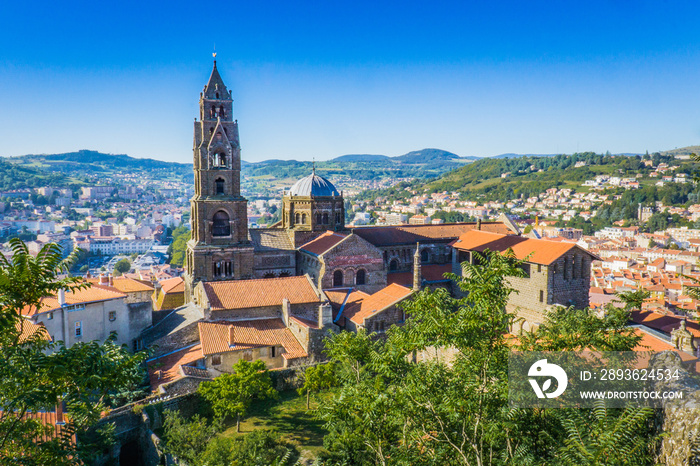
311 239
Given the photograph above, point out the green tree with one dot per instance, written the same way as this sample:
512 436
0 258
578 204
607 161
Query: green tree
258 448
633 300
316 378
187 440
37 374
452 408
231 394
179 245
122 266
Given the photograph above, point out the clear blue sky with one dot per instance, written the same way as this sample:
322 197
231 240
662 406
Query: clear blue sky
327 78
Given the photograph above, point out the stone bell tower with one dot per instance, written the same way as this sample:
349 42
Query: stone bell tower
219 248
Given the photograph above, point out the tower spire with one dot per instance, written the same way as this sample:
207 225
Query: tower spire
417 277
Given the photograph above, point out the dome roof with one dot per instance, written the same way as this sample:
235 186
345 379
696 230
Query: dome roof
313 185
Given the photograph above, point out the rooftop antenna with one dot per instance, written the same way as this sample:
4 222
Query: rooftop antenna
214 54
313 165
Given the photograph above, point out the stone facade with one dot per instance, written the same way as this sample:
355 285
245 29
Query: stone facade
219 248
353 262
312 213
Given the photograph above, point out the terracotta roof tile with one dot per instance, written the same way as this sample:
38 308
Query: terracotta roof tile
539 251
27 328
243 294
248 334
124 284
430 273
173 285
359 310
91 294
411 234
166 368
323 243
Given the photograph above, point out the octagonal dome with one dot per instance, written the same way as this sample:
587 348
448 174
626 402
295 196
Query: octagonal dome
313 185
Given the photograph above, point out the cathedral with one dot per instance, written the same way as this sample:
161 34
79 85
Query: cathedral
273 294
310 239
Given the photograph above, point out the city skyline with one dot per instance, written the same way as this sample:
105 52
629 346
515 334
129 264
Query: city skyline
320 81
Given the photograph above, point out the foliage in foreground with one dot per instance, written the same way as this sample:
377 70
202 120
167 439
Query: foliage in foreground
37 374
453 409
196 443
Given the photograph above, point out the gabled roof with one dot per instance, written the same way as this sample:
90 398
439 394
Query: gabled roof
537 251
92 294
323 243
359 310
244 294
412 234
173 285
164 369
27 329
124 284
248 334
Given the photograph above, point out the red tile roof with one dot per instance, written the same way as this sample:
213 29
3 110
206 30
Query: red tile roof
411 234
323 243
243 294
27 328
431 273
166 368
91 294
247 334
540 251
173 285
359 310
124 284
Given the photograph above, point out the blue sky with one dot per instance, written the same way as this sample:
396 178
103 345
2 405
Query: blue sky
323 79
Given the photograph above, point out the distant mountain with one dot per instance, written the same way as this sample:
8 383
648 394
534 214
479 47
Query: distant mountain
361 158
683 151
417 156
94 162
511 155
427 156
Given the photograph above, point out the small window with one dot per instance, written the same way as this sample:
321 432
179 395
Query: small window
273 353
79 329
216 360
541 296
338 278
219 186
424 256
360 277
112 316
539 268
393 265
49 316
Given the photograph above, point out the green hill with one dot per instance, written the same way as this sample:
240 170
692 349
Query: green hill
508 178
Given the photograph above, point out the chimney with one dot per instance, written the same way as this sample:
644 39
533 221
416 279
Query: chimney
286 311
325 315
478 223
61 297
111 280
417 278
104 280
231 336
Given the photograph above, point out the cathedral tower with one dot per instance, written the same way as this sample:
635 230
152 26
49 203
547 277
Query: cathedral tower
219 248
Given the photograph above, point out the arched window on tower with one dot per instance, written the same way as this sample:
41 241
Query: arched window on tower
338 278
318 219
297 218
360 277
222 112
337 218
220 186
220 159
218 135
424 256
325 219
393 265
211 131
221 225
212 112
217 95
303 219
